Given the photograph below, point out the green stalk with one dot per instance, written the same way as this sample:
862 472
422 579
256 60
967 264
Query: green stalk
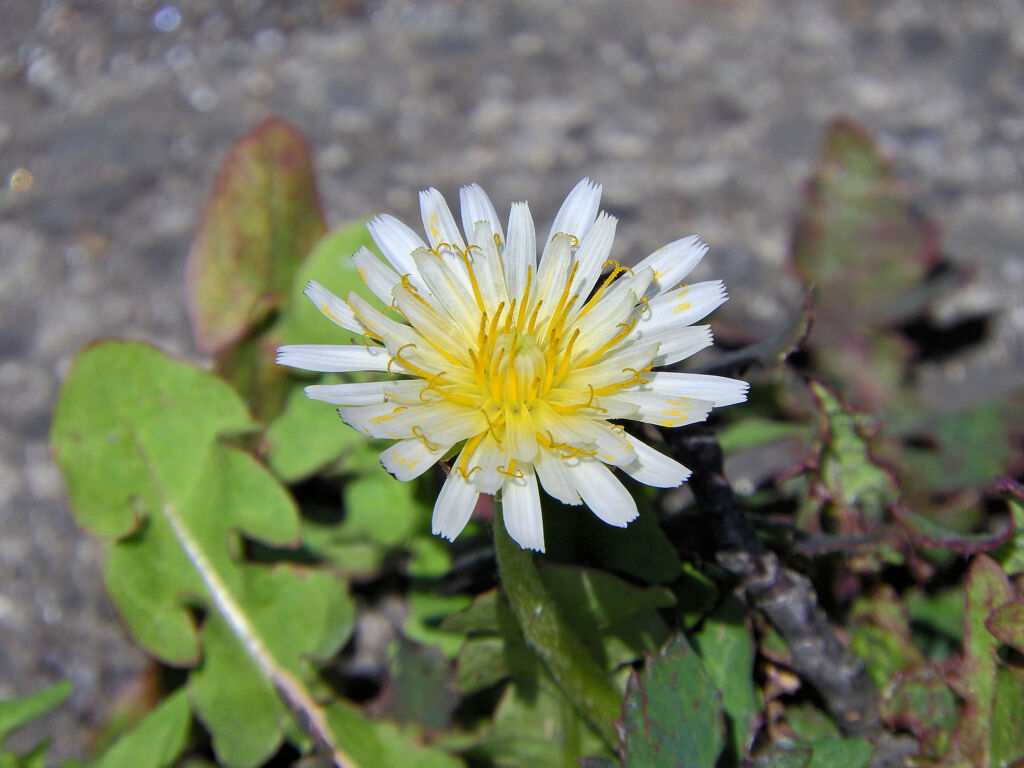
575 671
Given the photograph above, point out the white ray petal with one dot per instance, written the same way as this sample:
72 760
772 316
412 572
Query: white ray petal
438 423
383 420
400 339
333 308
673 262
609 318
520 254
599 435
371 392
476 206
655 468
578 212
484 463
720 390
408 459
520 506
593 253
664 410
555 477
520 435
614 366
330 358
603 493
361 393
451 294
447 423
487 269
679 344
550 281
396 241
435 325
454 506
684 305
438 221
378 276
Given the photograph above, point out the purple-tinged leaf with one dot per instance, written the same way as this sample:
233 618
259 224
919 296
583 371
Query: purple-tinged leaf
925 532
860 239
880 634
921 701
261 219
1006 623
1005 744
987 589
1011 554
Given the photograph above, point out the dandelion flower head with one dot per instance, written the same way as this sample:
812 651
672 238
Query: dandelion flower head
518 369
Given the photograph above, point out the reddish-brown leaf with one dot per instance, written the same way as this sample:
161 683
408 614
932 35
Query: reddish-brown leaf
262 217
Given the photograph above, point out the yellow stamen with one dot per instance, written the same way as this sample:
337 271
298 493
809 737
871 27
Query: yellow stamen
512 471
418 432
491 427
472 276
526 297
415 369
626 328
533 317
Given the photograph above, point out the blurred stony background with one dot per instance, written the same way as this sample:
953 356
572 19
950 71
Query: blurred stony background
697 115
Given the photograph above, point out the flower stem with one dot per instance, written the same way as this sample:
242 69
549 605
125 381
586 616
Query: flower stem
571 665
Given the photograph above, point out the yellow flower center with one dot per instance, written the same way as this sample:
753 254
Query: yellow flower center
523 352
517 369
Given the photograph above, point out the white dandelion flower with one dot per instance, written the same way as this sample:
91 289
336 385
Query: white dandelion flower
523 366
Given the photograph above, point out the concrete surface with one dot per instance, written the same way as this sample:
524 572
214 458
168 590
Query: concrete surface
698 116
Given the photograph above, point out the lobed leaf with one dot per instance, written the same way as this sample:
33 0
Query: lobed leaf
672 714
176 524
306 437
726 648
849 472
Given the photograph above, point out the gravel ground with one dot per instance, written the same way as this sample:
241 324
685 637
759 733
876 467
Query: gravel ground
698 116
